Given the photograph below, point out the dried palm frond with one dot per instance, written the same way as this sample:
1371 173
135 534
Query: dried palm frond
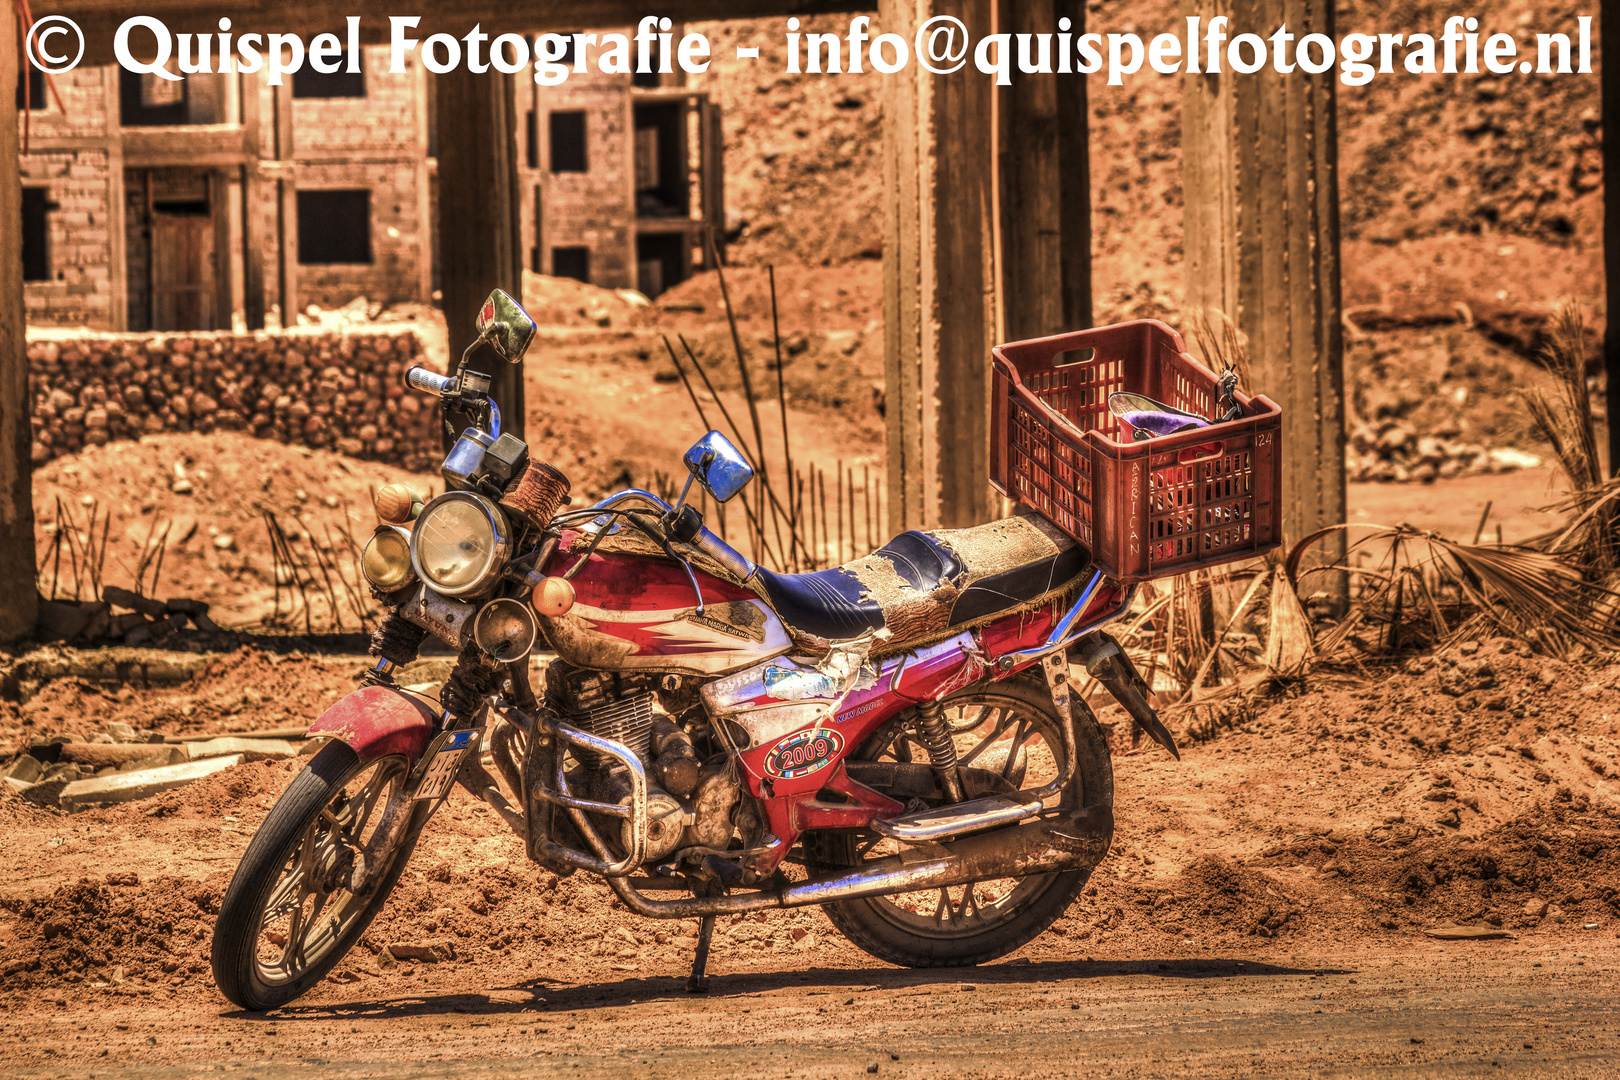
1564 417
1515 591
1289 650
1222 343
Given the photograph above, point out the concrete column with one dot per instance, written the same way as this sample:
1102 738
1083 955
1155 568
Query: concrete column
1045 182
1261 191
480 219
1031 217
938 279
1609 19
1074 180
18 598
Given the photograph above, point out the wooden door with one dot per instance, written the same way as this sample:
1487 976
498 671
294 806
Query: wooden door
182 270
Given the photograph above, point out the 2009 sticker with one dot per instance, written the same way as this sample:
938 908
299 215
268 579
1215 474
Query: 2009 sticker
803 753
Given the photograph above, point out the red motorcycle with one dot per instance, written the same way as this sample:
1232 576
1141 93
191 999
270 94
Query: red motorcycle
893 740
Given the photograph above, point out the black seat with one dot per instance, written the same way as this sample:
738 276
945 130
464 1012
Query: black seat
837 605
992 594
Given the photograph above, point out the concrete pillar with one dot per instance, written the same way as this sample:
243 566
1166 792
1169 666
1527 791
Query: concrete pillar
1074 180
938 279
1609 16
18 598
1261 192
480 219
1045 183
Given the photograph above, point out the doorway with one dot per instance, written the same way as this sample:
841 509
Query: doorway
182 266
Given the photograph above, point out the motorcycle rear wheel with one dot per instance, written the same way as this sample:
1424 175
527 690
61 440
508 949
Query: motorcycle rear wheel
288 916
973 924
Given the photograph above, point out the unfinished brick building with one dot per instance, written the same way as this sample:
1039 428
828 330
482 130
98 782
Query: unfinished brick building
221 201
625 175
218 200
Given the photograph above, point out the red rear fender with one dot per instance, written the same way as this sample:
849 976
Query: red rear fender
377 721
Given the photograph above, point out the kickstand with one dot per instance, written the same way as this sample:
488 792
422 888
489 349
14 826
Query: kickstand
698 981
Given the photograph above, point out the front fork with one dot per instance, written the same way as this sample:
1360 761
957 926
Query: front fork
451 757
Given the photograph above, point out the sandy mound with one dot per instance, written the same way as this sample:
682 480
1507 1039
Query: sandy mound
218 542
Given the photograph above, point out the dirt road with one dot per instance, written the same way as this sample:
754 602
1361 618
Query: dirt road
1440 1010
1294 862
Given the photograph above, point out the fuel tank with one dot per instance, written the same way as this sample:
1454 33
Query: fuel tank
638 613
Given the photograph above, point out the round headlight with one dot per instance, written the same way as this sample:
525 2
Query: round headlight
386 560
459 543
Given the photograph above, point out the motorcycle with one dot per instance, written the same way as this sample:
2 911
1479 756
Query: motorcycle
893 740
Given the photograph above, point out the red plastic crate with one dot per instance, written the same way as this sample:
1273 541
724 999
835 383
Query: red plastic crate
1146 508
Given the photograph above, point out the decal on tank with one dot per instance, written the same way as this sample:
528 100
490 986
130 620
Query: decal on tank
735 618
803 753
670 633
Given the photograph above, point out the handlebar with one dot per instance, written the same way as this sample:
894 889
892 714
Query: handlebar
705 541
428 381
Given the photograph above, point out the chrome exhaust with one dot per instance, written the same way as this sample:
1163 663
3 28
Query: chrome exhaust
1074 840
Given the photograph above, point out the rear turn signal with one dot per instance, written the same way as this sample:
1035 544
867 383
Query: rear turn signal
553 597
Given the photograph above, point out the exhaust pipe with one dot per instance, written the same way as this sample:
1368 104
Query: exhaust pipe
1076 840
1073 841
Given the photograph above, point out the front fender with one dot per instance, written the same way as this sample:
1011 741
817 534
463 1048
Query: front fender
377 721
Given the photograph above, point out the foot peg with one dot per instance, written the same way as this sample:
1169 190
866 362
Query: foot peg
958 819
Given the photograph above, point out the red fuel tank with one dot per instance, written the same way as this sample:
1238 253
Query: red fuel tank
638 613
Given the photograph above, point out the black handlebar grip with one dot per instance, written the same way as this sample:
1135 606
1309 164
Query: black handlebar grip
421 378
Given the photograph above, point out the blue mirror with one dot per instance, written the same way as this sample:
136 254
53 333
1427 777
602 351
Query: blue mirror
719 466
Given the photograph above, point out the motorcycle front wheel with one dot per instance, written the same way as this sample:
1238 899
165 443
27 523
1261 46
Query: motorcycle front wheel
1009 731
289 916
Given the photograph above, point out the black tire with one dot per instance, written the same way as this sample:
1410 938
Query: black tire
240 932
882 927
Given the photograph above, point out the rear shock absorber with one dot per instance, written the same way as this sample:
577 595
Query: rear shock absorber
935 734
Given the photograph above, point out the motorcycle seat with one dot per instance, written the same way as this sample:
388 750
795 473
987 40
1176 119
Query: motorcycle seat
847 601
922 584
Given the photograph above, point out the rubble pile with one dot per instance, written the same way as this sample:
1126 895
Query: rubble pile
127 763
121 615
330 390
1391 451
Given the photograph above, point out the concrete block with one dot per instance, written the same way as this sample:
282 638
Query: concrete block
249 749
128 787
25 770
101 755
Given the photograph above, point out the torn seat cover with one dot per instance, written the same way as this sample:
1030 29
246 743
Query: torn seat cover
921 584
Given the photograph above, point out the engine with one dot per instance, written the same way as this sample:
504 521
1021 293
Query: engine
692 790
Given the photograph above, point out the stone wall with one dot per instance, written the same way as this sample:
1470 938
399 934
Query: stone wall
338 391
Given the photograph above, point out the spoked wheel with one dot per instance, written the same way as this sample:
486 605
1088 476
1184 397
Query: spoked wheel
1007 738
290 913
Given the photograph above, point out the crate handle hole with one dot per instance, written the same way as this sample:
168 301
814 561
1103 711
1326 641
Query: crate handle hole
1205 452
1074 356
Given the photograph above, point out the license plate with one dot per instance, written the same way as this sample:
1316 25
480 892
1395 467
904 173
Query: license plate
444 762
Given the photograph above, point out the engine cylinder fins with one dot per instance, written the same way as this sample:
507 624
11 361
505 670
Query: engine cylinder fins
627 721
606 704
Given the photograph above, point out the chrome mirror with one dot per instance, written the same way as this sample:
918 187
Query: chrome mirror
719 466
506 326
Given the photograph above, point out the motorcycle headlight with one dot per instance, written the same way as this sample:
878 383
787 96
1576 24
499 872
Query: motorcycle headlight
459 543
386 560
